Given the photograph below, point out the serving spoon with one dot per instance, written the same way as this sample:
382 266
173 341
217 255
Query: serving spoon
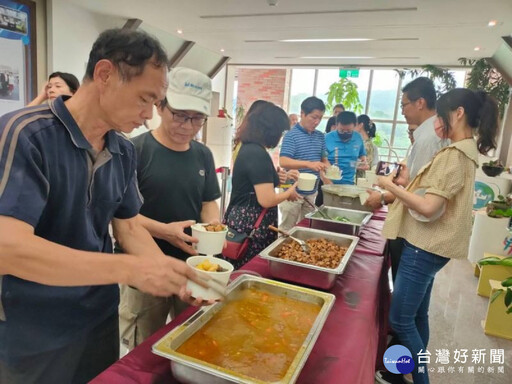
317 209
302 243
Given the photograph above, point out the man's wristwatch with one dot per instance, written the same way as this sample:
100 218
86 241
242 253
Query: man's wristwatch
382 199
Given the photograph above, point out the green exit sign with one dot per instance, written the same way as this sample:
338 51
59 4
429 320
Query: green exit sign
346 72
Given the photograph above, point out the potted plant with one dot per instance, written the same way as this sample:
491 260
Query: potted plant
493 168
500 208
507 283
443 77
484 76
345 92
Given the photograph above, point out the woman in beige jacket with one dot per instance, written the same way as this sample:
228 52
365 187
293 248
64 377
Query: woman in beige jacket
433 213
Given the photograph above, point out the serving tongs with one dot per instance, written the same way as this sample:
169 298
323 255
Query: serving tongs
302 243
319 210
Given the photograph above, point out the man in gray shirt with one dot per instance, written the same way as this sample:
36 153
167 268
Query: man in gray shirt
418 106
426 142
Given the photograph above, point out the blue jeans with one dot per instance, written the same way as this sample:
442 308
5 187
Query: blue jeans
411 298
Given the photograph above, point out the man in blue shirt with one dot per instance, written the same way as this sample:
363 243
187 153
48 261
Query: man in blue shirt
345 147
66 172
303 148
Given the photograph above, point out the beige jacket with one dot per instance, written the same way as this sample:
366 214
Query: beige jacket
450 174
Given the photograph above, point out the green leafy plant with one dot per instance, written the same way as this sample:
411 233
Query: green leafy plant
239 113
484 76
377 140
433 72
502 207
507 283
494 163
345 92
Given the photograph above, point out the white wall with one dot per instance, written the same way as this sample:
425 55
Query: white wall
41 44
71 31
219 85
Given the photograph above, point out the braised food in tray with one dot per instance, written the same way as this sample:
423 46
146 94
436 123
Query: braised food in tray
257 334
323 253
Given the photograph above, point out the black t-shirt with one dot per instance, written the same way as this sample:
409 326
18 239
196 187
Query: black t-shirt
330 123
253 165
174 184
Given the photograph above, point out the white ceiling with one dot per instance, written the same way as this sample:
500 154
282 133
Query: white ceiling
414 33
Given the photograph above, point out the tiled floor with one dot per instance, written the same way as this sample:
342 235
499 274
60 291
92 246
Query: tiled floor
456 312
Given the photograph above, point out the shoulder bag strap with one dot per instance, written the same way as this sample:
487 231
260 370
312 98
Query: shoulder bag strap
260 218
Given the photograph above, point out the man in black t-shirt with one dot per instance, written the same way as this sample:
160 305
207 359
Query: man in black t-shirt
177 180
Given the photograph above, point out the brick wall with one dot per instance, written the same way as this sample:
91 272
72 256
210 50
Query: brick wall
266 84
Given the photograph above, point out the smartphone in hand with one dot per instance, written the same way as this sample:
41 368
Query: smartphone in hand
385 168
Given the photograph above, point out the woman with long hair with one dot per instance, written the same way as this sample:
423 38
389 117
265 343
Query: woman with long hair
255 179
237 141
432 215
368 130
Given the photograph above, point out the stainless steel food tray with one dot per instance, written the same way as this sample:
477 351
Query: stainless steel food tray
345 196
356 218
306 274
193 371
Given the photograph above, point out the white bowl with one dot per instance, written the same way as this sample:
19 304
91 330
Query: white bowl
221 279
307 182
210 243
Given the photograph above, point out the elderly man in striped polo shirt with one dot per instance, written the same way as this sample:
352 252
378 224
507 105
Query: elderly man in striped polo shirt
304 149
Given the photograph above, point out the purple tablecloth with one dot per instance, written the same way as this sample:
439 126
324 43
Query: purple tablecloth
348 349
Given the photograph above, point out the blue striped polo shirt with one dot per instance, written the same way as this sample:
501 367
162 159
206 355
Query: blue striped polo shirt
299 144
51 179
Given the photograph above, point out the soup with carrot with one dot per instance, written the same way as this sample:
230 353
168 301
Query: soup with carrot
258 334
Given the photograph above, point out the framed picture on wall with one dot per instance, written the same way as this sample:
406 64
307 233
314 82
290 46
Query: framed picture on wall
18 82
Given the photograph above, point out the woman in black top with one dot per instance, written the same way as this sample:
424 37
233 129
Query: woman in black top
255 179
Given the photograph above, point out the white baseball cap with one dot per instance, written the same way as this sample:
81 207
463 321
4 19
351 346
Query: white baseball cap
189 90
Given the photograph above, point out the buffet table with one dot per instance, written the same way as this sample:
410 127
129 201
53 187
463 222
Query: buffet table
349 347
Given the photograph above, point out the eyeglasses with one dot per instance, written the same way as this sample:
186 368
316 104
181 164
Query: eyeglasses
403 105
196 121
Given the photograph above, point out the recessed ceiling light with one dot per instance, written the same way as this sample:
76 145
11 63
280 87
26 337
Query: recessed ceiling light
492 23
222 49
336 57
179 31
324 40
476 48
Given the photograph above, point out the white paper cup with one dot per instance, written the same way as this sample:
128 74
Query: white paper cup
210 243
371 177
221 278
307 182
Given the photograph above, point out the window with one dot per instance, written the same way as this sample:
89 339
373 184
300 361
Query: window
325 78
362 83
401 142
302 86
384 93
384 101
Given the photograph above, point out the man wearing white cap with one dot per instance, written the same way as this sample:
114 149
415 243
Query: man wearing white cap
177 180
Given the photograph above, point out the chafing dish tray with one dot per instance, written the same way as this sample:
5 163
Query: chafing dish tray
194 371
345 196
307 274
354 219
